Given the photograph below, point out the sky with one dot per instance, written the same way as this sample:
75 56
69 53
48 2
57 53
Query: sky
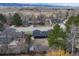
65 4
58 4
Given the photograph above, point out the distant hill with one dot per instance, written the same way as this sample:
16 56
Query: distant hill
29 4
51 5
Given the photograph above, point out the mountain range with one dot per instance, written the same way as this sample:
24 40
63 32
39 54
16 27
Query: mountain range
28 4
39 4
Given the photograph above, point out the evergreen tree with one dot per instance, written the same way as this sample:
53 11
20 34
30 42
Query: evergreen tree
56 37
17 20
73 20
2 18
2 21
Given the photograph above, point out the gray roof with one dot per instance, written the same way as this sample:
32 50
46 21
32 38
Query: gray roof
9 35
40 34
56 21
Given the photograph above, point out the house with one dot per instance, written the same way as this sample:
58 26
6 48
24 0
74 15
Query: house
56 21
12 41
16 46
11 34
40 42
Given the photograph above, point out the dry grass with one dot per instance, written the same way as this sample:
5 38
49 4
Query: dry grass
58 53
